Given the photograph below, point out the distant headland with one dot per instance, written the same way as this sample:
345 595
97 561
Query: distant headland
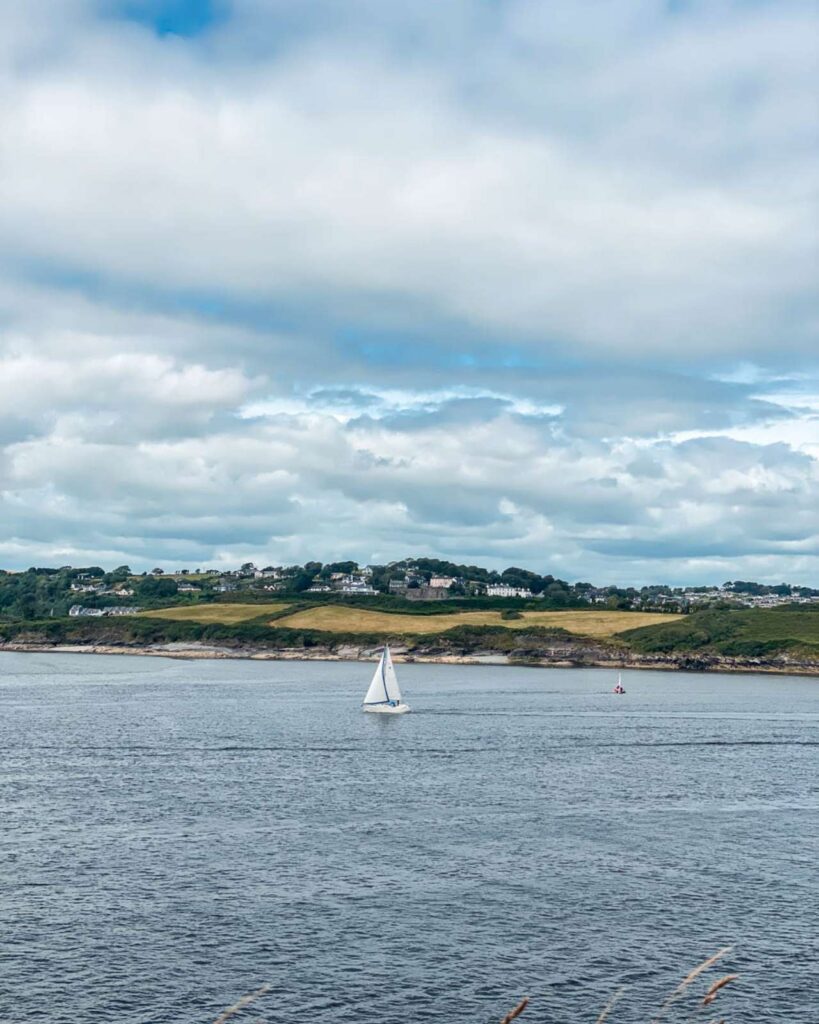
429 609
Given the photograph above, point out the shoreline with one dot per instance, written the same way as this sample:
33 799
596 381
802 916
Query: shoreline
195 651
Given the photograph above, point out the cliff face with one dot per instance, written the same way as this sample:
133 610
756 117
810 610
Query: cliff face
583 651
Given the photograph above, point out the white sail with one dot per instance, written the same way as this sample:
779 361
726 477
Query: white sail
384 685
390 677
377 692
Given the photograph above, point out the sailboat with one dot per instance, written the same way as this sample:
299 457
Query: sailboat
619 688
383 695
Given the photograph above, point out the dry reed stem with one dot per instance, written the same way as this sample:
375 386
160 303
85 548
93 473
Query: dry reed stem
711 994
237 1007
518 1010
609 1006
691 976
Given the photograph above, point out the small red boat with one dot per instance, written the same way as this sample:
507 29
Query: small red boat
619 688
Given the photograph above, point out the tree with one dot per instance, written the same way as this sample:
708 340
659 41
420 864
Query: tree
556 594
156 587
345 567
303 581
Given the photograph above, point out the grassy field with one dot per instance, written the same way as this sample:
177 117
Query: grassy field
224 614
751 631
740 633
345 619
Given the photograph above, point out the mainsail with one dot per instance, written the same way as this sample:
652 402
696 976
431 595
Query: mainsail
384 685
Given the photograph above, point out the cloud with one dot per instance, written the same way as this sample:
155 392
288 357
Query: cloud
504 487
513 282
348 173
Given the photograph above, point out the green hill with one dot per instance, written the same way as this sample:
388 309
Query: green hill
748 632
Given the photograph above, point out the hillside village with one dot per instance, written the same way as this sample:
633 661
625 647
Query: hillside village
416 581
92 591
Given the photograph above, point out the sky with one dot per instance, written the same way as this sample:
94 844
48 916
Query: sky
500 281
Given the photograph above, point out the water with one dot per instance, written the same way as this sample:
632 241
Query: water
175 834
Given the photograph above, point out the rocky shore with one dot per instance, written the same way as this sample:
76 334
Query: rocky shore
575 653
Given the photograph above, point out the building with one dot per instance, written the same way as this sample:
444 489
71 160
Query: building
442 582
77 610
357 587
351 583
409 580
428 594
504 590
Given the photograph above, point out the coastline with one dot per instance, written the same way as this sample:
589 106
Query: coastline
194 650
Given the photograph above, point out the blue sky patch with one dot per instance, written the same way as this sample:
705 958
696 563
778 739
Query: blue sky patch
175 17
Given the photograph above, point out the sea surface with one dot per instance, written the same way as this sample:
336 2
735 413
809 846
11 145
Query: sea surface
175 834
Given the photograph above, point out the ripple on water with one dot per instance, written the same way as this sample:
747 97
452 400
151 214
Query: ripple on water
177 834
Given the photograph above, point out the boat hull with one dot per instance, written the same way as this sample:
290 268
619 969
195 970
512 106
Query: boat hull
385 709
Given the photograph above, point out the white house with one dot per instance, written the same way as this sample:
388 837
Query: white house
77 609
357 588
351 583
504 590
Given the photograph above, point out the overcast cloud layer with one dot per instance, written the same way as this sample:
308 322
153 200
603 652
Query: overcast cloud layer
505 282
